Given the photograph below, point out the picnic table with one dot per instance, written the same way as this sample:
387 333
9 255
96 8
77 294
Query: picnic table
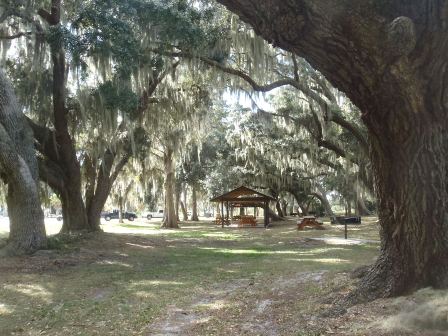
309 221
218 220
247 220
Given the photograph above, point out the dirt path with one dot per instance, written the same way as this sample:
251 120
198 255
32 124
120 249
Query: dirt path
240 307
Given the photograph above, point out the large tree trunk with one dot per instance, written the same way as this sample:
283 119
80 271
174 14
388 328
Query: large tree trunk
73 209
292 204
177 202
391 60
361 208
284 207
184 211
305 206
170 220
412 208
274 217
120 208
184 205
61 151
278 207
99 182
19 169
348 208
301 199
194 201
322 197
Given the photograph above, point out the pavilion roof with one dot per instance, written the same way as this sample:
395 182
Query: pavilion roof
243 195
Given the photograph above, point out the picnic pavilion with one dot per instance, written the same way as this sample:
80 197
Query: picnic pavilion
243 197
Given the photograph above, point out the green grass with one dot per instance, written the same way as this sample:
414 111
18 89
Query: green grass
134 275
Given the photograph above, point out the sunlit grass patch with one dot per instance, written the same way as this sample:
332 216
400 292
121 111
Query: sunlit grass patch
32 290
247 251
5 309
140 270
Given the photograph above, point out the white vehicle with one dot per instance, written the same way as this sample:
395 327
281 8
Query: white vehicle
155 214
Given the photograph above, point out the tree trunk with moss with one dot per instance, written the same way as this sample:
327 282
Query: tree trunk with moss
284 207
322 197
278 207
177 202
19 170
194 203
58 145
170 219
361 208
100 177
390 58
120 208
183 205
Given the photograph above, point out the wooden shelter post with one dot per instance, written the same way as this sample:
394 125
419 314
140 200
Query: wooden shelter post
266 214
222 214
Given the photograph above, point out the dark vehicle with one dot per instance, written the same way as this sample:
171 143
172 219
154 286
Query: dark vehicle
346 220
130 216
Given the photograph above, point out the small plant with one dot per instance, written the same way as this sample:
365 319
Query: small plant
62 241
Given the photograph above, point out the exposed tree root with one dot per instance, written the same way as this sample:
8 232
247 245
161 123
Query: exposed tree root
378 281
170 226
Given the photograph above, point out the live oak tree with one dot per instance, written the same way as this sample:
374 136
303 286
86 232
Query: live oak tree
19 171
198 163
280 158
390 58
175 125
137 73
352 176
55 133
74 46
247 62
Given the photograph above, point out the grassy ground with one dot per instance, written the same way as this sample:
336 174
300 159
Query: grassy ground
136 279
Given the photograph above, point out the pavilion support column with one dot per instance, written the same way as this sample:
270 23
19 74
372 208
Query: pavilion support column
222 214
227 211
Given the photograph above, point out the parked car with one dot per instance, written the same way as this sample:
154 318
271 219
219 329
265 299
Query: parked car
130 216
154 214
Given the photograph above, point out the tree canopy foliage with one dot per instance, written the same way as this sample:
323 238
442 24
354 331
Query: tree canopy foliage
134 84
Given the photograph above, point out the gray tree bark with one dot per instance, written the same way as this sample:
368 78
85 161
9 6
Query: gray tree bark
284 207
19 170
322 196
177 201
194 202
170 219
361 208
99 182
183 205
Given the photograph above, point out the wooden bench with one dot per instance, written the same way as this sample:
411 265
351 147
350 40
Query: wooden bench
309 221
